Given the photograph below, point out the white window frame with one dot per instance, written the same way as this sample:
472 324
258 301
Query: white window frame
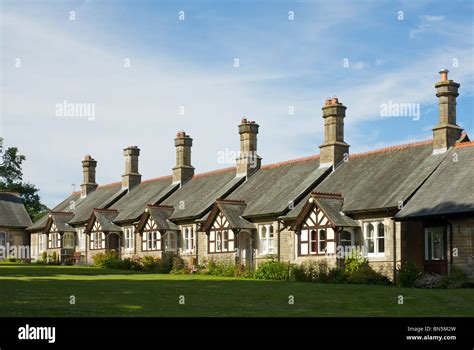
81 236
68 235
55 240
188 239
430 231
129 238
95 238
42 240
325 240
171 241
375 238
267 239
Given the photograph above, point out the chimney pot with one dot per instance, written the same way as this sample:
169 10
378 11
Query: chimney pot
244 120
444 74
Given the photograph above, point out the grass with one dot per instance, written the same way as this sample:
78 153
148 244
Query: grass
30 290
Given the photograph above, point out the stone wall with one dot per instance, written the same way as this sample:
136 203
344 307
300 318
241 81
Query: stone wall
463 243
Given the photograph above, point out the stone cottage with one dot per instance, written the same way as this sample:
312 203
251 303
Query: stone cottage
14 219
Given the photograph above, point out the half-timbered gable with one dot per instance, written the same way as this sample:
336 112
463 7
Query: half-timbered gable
224 224
157 231
321 225
54 237
151 236
221 236
97 237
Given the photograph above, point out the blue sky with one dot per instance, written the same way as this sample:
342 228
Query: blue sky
190 63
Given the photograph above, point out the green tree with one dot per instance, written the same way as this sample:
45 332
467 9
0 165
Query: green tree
11 180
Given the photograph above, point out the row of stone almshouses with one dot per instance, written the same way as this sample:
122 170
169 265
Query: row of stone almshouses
299 210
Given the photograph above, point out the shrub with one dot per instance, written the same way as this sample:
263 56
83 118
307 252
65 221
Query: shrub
365 274
226 269
165 264
336 275
457 278
125 264
354 261
407 274
179 266
272 270
53 259
429 280
297 273
44 257
104 259
149 263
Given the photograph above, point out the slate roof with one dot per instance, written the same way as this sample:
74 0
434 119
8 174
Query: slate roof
105 218
101 198
61 220
332 207
380 179
132 205
449 190
271 189
12 211
160 214
61 207
233 211
198 195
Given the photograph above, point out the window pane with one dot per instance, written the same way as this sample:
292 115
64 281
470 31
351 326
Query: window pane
381 230
370 231
314 242
370 245
346 239
381 245
322 235
437 246
322 240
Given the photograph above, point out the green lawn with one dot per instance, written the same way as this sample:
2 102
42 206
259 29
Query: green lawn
29 290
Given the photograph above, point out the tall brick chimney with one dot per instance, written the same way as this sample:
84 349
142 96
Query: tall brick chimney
334 148
132 177
183 171
248 161
88 169
446 133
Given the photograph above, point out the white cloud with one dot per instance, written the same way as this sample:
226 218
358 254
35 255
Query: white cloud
428 23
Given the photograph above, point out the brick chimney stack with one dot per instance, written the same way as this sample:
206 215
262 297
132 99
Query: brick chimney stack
446 133
131 177
88 169
248 161
334 148
183 171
